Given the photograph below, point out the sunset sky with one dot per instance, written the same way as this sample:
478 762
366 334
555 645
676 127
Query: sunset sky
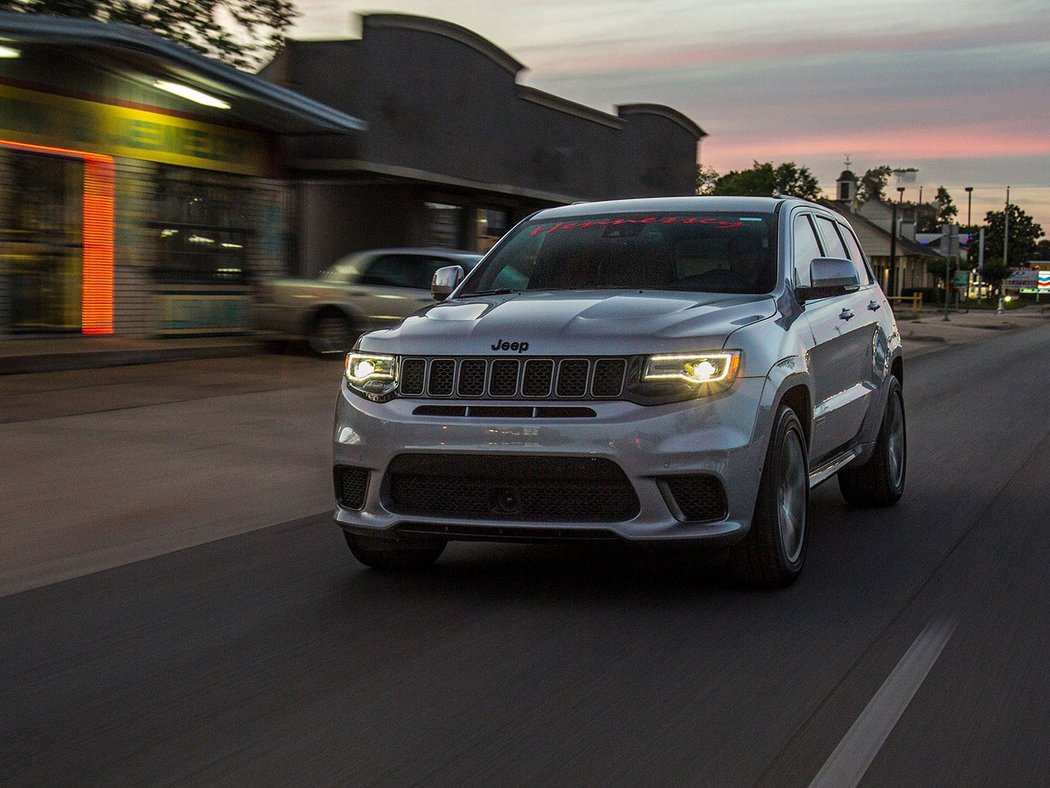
960 90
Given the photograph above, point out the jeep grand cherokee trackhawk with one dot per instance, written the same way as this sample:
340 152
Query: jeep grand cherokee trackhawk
655 371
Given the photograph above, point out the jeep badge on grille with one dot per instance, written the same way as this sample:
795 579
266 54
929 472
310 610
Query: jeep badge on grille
517 347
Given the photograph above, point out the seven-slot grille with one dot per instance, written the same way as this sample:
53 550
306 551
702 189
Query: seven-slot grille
512 378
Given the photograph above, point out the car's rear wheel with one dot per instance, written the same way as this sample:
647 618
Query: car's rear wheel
392 553
880 481
774 550
329 333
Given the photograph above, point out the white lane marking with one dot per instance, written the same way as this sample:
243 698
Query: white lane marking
862 742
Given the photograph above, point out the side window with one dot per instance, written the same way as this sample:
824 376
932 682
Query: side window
400 270
857 256
832 242
804 249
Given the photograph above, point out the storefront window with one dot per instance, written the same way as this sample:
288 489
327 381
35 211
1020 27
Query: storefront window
492 224
41 241
202 228
443 225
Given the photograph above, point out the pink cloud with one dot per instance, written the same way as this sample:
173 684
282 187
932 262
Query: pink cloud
938 142
605 57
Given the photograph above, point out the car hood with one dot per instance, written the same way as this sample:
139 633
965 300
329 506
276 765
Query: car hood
558 323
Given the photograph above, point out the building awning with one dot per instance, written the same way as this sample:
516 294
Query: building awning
144 58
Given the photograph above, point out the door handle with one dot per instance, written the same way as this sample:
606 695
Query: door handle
846 314
874 305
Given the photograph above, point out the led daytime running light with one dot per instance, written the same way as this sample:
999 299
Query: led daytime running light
693 368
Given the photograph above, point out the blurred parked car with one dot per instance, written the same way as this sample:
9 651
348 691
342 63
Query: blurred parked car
365 290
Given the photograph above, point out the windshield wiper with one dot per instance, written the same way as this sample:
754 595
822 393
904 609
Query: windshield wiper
498 291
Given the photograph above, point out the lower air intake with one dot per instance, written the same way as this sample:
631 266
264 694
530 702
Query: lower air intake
351 484
518 488
700 497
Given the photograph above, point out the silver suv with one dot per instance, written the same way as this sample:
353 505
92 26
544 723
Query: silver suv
674 370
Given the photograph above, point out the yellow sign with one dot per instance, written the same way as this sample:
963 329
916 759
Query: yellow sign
44 119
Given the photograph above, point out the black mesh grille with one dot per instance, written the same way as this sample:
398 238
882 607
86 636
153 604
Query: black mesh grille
507 378
413 371
442 374
700 496
351 484
472 377
504 381
572 377
608 377
538 375
529 489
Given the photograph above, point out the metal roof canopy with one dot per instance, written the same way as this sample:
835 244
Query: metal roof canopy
147 56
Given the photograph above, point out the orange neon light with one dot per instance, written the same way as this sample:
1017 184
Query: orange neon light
96 307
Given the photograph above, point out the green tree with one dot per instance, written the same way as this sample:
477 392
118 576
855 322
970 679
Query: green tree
1042 250
994 272
946 210
759 181
790 179
765 180
243 33
705 179
872 184
1024 233
942 211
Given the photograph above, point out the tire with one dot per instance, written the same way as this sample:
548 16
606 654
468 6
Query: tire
880 481
329 333
774 550
393 554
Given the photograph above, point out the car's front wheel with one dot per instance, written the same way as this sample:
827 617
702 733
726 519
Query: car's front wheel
880 481
393 554
774 550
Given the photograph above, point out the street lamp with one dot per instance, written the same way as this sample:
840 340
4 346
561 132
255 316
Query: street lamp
969 206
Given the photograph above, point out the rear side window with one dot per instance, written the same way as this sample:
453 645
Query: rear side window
856 255
832 242
804 249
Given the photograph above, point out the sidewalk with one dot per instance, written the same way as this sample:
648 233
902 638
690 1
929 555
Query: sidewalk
929 331
90 352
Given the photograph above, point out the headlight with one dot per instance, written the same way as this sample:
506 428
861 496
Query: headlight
372 375
680 376
690 368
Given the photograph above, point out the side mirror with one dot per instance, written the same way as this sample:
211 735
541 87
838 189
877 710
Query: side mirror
829 276
445 281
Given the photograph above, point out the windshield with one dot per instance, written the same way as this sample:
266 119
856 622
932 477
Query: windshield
699 252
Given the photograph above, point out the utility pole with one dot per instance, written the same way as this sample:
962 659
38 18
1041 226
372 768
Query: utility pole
893 252
946 241
980 264
1006 252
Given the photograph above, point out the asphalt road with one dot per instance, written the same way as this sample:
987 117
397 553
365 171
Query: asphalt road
913 651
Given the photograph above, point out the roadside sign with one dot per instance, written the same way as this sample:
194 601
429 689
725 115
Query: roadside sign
962 278
1044 282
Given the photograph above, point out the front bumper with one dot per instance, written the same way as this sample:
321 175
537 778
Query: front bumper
720 436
